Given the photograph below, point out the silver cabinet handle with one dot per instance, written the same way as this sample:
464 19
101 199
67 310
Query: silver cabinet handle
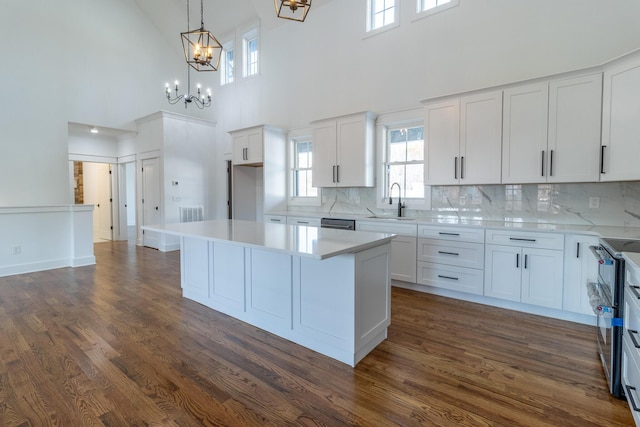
462 167
442 233
334 173
447 277
455 168
338 173
520 239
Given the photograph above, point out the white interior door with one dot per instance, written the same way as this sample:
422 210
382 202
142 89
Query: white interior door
97 192
151 200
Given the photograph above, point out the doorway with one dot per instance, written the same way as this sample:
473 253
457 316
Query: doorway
94 186
127 201
151 201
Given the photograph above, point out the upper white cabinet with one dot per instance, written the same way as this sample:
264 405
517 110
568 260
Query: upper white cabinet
259 182
575 111
551 131
524 135
343 151
621 122
247 146
463 138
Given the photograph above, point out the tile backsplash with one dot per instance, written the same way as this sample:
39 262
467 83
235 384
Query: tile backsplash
618 203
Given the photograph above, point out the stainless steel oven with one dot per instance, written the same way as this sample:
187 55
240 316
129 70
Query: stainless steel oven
610 293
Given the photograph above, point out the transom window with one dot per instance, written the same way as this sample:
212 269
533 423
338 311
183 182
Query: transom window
250 42
227 75
301 169
405 162
434 6
381 13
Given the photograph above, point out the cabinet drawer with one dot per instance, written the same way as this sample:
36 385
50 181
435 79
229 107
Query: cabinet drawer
462 234
631 275
526 239
278 219
632 313
297 220
384 227
462 254
451 277
631 377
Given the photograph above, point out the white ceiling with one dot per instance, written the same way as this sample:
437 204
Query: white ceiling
221 17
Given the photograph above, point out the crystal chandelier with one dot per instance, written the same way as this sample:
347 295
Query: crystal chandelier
287 9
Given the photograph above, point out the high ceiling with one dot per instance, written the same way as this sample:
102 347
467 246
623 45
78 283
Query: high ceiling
221 17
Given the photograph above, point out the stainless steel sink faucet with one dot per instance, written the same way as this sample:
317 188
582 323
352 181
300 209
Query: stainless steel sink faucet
400 205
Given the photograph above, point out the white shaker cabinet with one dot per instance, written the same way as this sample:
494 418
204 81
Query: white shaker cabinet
621 122
524 134
344 151
524 267
463 138
631 339
248 146
402 261
551 131
575 111
580 268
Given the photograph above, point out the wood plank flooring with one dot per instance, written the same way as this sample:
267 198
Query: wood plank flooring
116 345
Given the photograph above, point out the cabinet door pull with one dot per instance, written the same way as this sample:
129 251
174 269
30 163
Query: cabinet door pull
448 253
462 167
525 260
303 222
338 173
542 164
630 396
517 260
334 173
520 239
578 250
442 233
602 158
550 162
632 335
634 290
447 277
455 168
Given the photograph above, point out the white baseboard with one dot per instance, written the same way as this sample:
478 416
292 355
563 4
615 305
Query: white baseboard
11 270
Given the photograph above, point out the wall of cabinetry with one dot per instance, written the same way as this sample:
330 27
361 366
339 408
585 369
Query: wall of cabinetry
259 172
344 151
631 340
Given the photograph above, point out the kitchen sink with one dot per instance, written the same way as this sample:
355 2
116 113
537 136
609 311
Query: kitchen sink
397 218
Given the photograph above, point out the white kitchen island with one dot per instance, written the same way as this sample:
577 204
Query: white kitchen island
325 289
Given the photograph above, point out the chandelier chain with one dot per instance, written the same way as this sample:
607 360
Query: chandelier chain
201 13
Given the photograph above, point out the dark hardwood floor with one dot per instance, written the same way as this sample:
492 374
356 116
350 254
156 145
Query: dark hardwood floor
115 344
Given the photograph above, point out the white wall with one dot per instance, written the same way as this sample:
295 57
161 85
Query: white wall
99 62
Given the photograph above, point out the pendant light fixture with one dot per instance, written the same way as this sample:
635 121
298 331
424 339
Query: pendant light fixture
294 10
202 50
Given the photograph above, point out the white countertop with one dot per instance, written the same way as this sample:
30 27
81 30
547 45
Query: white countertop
513 223
313 242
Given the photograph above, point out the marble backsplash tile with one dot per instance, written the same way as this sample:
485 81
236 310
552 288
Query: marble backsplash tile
619 203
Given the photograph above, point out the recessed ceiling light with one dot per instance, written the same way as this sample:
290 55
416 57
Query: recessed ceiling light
93 129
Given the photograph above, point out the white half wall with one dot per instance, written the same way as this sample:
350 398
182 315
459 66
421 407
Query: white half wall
46 237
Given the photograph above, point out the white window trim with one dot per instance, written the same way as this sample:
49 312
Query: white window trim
412 117
246 35
293 136
421 14
395 24
225 47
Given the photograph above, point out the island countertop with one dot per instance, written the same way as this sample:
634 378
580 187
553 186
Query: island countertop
312 242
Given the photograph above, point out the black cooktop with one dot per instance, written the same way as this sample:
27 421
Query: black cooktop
622 245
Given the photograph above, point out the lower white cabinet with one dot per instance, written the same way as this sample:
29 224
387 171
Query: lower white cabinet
278 219
402 263
580 268
451 258
522 270
299 220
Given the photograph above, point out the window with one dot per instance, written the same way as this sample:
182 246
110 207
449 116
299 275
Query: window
250 43
381 13
303 157
404 162
429 7
227 68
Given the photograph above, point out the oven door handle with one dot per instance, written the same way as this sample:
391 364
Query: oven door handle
594 250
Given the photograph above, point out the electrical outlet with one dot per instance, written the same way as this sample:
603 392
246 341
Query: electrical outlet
594 202
16 249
